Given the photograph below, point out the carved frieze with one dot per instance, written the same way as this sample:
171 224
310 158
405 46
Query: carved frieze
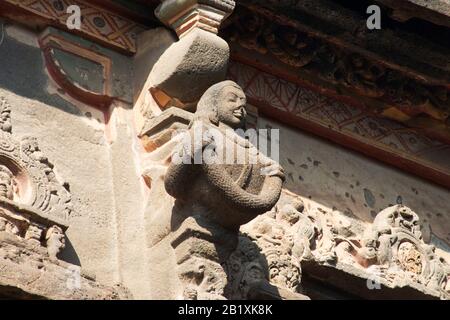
380 138
389 252
101 24
384 73
343 71
34 211
34 205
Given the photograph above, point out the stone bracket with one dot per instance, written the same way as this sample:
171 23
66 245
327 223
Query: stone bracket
184 16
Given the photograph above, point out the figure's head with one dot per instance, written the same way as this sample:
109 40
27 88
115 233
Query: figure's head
56 233
6 183
224 103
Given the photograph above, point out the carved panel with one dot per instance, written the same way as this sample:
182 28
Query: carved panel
93 75
98 23
390 251
355 128
34 205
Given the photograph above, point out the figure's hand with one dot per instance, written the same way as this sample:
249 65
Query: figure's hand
208 139
200 138
272 168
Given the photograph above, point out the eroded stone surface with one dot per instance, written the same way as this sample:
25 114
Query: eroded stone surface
28 273
34 210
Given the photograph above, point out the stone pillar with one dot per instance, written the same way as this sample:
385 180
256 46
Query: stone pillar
180 76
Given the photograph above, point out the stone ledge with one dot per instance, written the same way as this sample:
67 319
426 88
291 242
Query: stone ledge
27 273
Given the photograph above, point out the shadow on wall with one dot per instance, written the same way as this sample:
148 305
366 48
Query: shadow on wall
69 254
22 72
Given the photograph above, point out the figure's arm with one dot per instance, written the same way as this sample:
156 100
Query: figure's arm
240 199
180 172
182 169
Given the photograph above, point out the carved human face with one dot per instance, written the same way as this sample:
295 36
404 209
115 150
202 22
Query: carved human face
232 107
6 186
33 233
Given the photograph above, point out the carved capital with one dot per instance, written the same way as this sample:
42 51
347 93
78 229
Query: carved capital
200 57
184 16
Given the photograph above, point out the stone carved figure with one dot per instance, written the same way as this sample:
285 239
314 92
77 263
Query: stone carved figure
35 207
230 194
55 241
6 183
7 192
276 245
214 198
57 196
8 226
386 227
437 273
394 244
246 269
5 116
34 234
275 241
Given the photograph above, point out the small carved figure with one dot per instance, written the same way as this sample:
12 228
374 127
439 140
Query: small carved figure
248 31
53 196
437 271
363 76
3 224
8 226
30 147
5 116
55 241
216 196
34 234
289 45
6 183
230 194
304 240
